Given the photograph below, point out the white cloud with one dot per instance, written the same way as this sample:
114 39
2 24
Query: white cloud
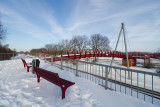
142 20
18 21
100 10
88 17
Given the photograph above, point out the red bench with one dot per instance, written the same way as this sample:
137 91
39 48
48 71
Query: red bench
53 78
29 65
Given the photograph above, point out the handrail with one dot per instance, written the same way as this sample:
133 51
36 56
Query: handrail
122 68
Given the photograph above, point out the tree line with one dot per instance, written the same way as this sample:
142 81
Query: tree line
6 49
79 42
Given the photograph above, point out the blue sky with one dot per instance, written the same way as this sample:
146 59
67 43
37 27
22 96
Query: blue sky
34 23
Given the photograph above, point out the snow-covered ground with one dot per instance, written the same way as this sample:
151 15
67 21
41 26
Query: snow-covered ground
19 88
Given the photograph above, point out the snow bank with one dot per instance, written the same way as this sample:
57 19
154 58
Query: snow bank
20 89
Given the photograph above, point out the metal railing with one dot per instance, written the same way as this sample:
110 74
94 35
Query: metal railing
143 85
6 56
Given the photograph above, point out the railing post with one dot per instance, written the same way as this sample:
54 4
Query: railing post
0 56
106 77
44 57
13 54
40 55
77 68
52 60
61 63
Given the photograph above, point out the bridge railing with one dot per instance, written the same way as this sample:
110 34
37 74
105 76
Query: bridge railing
141 84
6 56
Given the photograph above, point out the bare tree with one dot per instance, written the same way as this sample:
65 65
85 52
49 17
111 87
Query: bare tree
55 47
64 44
98 41
35 51
3 31
79 42
73 42
49 47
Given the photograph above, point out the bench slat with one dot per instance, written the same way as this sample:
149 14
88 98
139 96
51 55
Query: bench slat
65 82
50 76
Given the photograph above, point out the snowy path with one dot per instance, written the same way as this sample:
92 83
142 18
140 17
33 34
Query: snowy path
20 89
14 90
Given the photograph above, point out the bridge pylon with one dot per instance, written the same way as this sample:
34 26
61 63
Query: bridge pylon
122 29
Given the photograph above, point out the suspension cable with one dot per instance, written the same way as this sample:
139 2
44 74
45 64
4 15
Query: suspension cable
116 30
128 40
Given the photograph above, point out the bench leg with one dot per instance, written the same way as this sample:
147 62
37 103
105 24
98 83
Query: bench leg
63 92
38 78
27 69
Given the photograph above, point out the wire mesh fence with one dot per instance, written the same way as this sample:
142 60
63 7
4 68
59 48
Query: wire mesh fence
6 56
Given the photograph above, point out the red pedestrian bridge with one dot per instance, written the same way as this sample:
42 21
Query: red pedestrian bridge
87 53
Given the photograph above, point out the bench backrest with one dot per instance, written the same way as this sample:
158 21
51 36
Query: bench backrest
50 76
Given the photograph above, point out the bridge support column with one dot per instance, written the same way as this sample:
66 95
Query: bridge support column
131 62
135 62
147 62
